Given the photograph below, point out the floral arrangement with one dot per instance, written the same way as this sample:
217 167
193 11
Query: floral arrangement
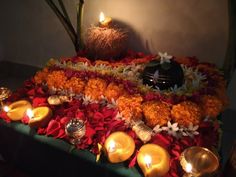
110 96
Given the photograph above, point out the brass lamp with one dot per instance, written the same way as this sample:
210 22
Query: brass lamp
4 94
198 162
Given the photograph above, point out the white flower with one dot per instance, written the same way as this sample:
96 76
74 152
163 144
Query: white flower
165 58
87 99
157 129
113 104
190 130
171 128
119 116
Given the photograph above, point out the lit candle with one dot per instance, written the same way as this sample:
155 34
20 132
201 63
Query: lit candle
30 113
112 146
148 161
199 161
153 160
6 108
39 117
119 146
104 21
16 110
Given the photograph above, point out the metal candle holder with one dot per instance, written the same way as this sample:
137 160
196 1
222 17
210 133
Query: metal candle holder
75 130
198 161
4 94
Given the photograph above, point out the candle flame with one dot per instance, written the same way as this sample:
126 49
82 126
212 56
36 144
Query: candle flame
101 17
188 168
29 113
112 146
6 108
148 160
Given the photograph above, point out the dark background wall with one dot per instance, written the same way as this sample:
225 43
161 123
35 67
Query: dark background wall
31 34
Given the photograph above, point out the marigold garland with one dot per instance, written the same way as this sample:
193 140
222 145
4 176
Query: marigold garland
156 112
130 106
76 85
56 79
211 106
41 76
114 91
186 113
95 88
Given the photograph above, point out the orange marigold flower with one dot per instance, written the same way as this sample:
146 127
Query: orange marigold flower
114 91
95 88
156 112
41 76
186 113
130 106
56 79
102 62
76 84
211 106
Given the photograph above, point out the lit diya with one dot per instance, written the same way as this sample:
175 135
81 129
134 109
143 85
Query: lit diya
153 160
104 21
199 161
39 117
119 147
16 110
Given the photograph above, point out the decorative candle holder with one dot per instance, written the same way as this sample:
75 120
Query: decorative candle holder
119 146
75 129
16 110
198 161
153 160
39 117
4 94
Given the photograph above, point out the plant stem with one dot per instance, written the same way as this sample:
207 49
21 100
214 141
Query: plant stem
64 11
79 8
67 25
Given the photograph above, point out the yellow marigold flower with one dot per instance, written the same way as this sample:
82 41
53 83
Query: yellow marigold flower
130 106
56 79
156 112
114 91
95 88
76 84
186 113
211 106
41 76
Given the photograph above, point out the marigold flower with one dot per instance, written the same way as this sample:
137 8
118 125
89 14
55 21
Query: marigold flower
186 113
41 76
102 62
56 79
130 106
156 112
95 88
211 106
114 91
76 84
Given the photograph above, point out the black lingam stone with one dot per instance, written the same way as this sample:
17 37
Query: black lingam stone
163 75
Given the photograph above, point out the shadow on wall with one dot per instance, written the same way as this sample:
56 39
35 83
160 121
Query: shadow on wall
134 39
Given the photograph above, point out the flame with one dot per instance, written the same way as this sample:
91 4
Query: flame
29 113
6 108
112 146
188 168
101 17
148 160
